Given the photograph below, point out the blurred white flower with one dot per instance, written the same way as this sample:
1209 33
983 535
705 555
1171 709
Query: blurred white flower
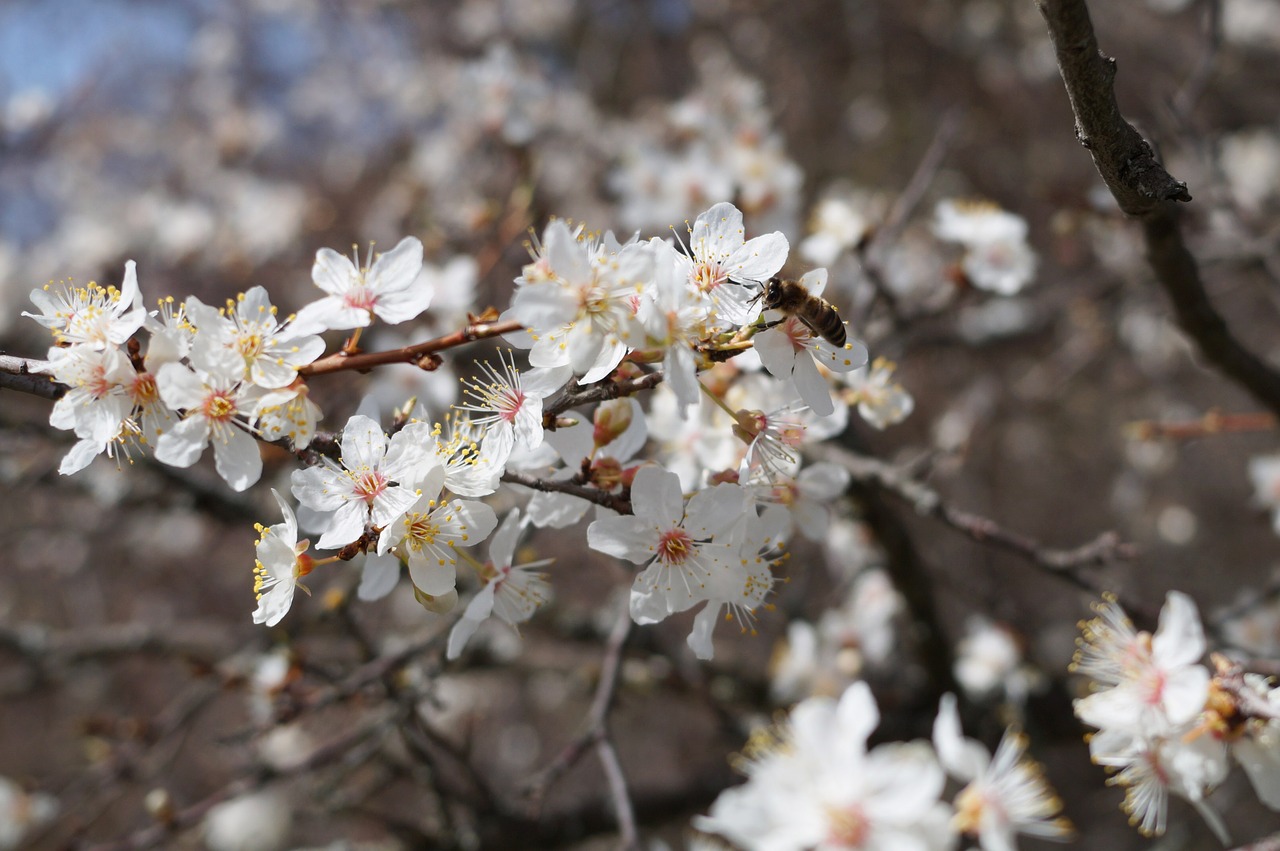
813 784
1005 795
21 812
989 660
257 821
881 401
997 257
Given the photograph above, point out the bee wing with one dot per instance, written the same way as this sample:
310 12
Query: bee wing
813 329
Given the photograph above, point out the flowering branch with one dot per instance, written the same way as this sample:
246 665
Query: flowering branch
602 392
420 353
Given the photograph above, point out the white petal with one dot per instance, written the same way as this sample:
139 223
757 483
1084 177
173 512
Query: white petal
183 444
329 313
179 387
628 538
812 387
346 525
1262 765
656 497
1179 638
432 577
332 272
238 459
80 456
478 611
364 444
379 578
760 258
704 623
398 269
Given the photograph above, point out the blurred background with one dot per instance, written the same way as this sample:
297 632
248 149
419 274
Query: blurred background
220 143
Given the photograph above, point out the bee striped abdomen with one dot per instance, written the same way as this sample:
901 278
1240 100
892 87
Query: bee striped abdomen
819 315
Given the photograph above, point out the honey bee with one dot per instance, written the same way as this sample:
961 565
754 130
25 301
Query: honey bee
818 314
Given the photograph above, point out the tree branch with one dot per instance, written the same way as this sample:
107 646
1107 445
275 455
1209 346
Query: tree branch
617 502
421 353
1107 547
1123 158
1143 189
23 375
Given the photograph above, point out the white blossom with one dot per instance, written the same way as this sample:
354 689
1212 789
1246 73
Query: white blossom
281 562
511 593
367 487
1005 795
92 315
388 288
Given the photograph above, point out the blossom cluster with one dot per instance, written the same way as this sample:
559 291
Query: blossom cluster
1166 723
812 782
743 390
222 376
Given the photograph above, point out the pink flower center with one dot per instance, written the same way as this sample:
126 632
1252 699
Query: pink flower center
360 297
508 402
1154 684
144 390
97 385
368 485
798 334
675 546
847 828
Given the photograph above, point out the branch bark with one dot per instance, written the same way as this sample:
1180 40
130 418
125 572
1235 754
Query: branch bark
1144 190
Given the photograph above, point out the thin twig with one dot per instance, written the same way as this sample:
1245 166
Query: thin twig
1267 843
617 502
418 353
331 752
906 202
1106 548
1213 422
1185 100
596 723
872 252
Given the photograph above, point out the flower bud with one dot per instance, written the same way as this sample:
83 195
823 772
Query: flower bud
612 418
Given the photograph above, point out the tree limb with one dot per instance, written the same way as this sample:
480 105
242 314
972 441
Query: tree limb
1144 190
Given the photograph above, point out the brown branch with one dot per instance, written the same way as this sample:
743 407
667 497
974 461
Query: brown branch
597 720
1213 422
601 392
1123 158
422 353
22 374
617 502
1144 190
1106 548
